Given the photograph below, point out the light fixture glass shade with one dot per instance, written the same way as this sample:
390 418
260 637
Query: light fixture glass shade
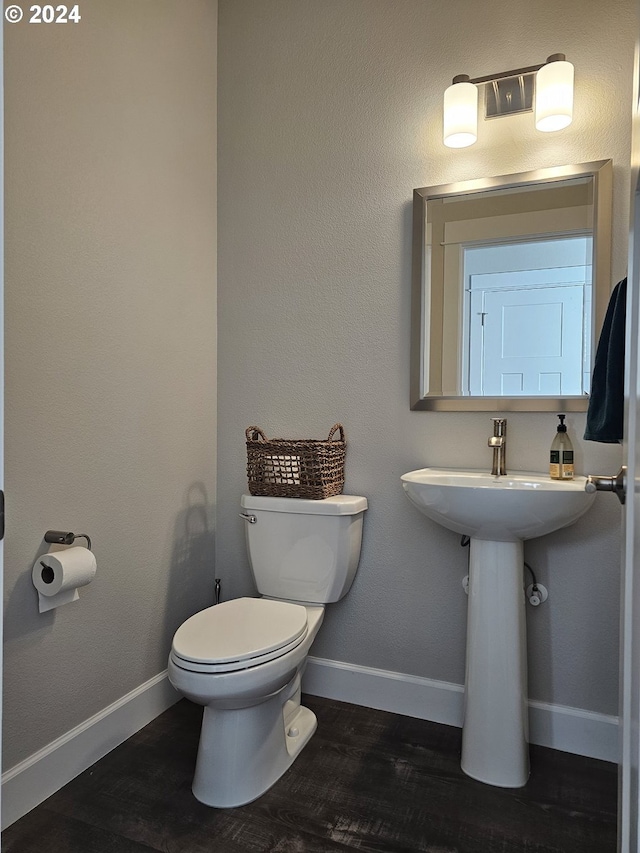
460 115
554 96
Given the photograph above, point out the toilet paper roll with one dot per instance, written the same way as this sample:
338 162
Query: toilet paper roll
63 570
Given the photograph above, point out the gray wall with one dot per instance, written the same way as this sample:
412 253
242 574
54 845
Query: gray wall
329 116
110 346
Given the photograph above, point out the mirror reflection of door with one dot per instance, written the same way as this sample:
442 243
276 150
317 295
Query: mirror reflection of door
541 245
527 318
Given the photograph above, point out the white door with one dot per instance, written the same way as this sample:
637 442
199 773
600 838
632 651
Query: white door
532 341
1 355
629 790
527 317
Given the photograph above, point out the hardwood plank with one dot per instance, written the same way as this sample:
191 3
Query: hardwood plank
406 792
368 781
48 832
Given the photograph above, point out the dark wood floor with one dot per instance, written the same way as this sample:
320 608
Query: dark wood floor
367 781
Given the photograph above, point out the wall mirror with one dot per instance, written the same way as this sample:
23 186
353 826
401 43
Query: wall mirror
511 281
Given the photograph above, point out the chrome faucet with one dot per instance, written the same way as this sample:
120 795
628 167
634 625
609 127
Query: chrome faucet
498 442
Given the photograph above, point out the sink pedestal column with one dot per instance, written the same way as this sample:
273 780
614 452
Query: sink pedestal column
495 731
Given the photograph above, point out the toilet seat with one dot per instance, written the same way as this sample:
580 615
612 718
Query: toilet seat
238 634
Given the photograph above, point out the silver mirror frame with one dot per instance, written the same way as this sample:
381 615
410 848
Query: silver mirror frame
602 173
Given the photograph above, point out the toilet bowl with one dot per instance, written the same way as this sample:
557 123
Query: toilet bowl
253 724
243 659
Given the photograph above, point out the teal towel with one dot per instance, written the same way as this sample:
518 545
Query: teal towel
605 416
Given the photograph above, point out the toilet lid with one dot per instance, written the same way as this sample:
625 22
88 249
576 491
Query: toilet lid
237 631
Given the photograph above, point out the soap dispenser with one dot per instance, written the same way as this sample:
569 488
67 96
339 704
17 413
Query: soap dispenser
561 457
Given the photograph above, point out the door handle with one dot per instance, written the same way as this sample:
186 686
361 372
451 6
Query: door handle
617 484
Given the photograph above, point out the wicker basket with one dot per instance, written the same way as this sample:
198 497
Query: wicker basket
305 468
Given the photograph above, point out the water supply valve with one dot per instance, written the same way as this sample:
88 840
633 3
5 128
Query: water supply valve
536 594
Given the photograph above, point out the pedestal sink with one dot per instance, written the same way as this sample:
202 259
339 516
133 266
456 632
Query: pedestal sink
498 513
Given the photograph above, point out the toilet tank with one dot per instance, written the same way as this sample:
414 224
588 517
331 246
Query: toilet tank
304 550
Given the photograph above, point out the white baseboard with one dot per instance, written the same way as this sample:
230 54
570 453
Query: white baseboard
33 780
556 726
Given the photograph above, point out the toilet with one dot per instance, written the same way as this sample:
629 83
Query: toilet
243 659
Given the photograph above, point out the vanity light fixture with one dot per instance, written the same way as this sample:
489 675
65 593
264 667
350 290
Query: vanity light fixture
549 86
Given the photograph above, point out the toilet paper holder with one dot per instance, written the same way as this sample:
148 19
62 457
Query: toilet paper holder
58 574
60 537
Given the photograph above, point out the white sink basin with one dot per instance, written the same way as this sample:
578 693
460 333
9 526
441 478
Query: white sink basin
519 505
497 513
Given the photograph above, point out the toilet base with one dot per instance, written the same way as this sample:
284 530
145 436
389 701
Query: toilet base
243 752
